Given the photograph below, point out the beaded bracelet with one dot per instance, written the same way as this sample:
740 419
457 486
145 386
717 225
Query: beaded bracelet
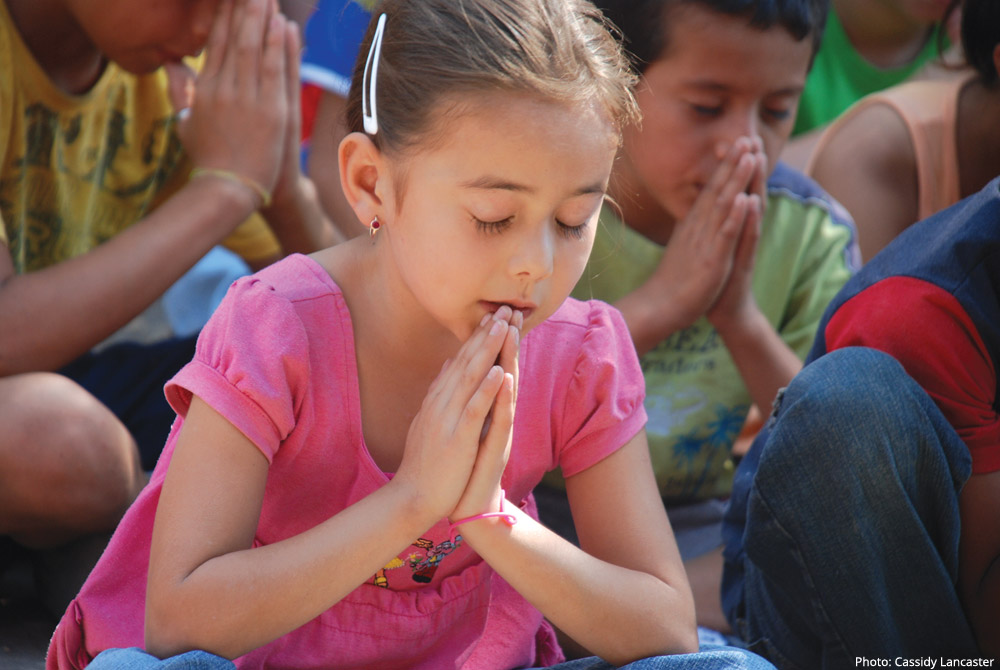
506 517
262 193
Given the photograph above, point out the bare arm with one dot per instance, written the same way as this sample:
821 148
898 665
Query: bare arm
602 594
209 589
979 564
799 149
297 216
328 130
867 163
54 315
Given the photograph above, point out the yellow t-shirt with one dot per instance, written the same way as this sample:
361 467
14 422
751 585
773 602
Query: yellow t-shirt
77 170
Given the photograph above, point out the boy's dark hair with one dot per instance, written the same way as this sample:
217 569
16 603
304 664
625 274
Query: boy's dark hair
643 23
980 34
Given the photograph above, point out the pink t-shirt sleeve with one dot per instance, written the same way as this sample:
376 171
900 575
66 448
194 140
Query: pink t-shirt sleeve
251 364
603 406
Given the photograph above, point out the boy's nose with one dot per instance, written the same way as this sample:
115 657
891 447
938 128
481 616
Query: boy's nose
741 124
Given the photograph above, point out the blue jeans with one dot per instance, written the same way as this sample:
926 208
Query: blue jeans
842 531
713 658
136 659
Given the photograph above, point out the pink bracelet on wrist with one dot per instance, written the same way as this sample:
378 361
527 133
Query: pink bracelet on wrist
506 517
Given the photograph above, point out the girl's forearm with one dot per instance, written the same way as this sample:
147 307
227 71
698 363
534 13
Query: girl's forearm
237 602
615 612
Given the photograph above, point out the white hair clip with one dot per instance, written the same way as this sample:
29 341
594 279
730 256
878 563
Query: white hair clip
368 112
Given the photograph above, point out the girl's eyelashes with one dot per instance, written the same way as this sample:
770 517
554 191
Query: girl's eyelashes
574 232
493 227
497 227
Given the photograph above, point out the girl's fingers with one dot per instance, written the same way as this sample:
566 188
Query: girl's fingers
511 347
495 447
477 354
473 414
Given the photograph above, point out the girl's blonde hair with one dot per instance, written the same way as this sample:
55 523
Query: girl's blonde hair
436 51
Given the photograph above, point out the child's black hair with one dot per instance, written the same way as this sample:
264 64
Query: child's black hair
980 35
643 23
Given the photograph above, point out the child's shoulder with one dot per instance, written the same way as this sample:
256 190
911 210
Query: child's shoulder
583 328
791 187
294 278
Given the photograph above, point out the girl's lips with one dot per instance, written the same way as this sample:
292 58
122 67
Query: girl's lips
525 308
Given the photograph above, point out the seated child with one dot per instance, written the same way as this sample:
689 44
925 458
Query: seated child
720 259
867 46
99 216
864 520
348 483
910 151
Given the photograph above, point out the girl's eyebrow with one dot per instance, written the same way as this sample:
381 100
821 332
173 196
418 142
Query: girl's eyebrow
488 182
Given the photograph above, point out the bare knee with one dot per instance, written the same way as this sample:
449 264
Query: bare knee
67 465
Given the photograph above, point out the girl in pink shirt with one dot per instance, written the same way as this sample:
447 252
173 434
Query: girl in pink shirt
348 483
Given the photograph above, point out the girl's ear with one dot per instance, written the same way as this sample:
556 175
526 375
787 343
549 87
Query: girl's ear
362 167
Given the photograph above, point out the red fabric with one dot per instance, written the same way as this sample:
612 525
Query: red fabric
310 103
926 329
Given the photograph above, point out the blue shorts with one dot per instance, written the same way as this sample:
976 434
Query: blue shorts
128 379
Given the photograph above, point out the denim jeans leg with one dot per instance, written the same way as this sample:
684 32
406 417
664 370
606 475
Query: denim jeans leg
136 659
852 525
709 657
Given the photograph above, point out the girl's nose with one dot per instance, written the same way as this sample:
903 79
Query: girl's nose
533 256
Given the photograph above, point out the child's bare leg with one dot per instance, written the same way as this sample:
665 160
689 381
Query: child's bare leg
68 467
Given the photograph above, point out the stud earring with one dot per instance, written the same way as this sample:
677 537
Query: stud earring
374 226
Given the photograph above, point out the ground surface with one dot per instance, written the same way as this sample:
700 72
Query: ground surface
25 627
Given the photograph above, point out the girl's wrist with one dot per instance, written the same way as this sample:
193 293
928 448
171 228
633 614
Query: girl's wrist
503 514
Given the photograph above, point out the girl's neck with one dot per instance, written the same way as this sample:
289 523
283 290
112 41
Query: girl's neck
388 322
977 136
637 207
60 46
884 36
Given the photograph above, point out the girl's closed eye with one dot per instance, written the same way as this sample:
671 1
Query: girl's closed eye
573 231
493 227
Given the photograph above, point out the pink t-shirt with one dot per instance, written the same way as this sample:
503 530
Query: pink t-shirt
278 361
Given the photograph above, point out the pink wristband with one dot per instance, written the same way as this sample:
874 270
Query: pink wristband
507 517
